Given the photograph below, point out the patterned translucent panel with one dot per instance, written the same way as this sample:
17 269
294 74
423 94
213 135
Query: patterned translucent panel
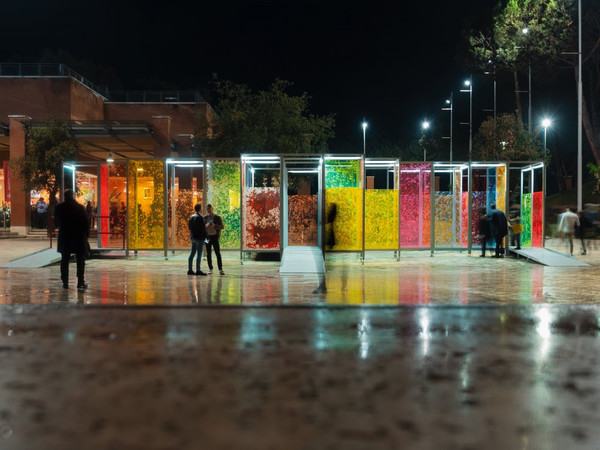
343 205
501 188
415 202
448 207
381 219
343 211
303 220
261 218
537 220
526 216
112 216
342 173
444 219
224 196
146 214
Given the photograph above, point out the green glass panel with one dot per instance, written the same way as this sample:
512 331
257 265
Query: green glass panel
381 219
342 173
146 209
224 195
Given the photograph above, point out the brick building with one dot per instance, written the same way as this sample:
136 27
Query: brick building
124 125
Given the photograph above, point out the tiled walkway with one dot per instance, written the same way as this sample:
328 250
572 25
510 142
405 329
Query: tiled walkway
481 354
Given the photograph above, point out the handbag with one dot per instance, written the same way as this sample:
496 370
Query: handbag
517 228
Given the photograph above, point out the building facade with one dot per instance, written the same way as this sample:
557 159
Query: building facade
119 125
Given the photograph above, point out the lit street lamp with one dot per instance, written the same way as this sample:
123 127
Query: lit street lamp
364 127
425 127
545 123
449 107
469 84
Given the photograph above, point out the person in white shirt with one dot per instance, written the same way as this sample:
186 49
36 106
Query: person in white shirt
567 222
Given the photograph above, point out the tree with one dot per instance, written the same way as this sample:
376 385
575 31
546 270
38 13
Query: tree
549 26
505 139
46 148
270 121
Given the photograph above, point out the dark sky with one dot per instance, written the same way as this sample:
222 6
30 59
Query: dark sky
392 62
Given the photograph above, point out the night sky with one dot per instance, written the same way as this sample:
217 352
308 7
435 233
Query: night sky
392 62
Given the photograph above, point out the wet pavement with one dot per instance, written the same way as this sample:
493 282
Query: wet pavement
453 352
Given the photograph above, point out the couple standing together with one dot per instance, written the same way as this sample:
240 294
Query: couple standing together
205 230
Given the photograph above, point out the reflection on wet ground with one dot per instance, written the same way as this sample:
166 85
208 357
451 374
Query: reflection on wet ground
417 279
506 377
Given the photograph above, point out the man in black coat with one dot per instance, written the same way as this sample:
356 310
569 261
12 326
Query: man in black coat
499 227
198 238
73 232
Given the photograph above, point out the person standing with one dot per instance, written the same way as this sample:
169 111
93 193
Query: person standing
485 233
214 225
516 228
567 223
73 232
41 207
198 238
499 226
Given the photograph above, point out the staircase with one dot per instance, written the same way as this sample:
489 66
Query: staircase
38 234
7 234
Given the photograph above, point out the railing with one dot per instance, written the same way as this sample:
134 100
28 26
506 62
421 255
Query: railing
156 97
118 228
37 70
5 219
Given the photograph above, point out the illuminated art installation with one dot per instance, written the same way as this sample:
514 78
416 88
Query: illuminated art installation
526 209
261 218
113 204
343 205
146 213
303 213
415 202
448 206
537 238
224 196
381 219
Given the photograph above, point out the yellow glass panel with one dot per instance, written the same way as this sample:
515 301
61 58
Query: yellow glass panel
501 188
381 219
146 204
344 211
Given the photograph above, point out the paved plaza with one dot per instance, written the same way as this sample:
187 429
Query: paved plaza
451 351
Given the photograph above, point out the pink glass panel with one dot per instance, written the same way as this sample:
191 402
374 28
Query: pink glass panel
415 205
536 219
104 206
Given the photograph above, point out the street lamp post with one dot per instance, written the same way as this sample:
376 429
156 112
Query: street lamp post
424 126
529 110
449 107
545 124
469 84
364 127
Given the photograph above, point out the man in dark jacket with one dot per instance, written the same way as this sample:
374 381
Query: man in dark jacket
499 227
198 238
73 232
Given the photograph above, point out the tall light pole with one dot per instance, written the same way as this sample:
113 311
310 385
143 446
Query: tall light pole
424 127
545 124
529 110
469 84
449 107
364 127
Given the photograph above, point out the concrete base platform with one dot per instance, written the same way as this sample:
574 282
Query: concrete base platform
548 257
302 260
42 258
